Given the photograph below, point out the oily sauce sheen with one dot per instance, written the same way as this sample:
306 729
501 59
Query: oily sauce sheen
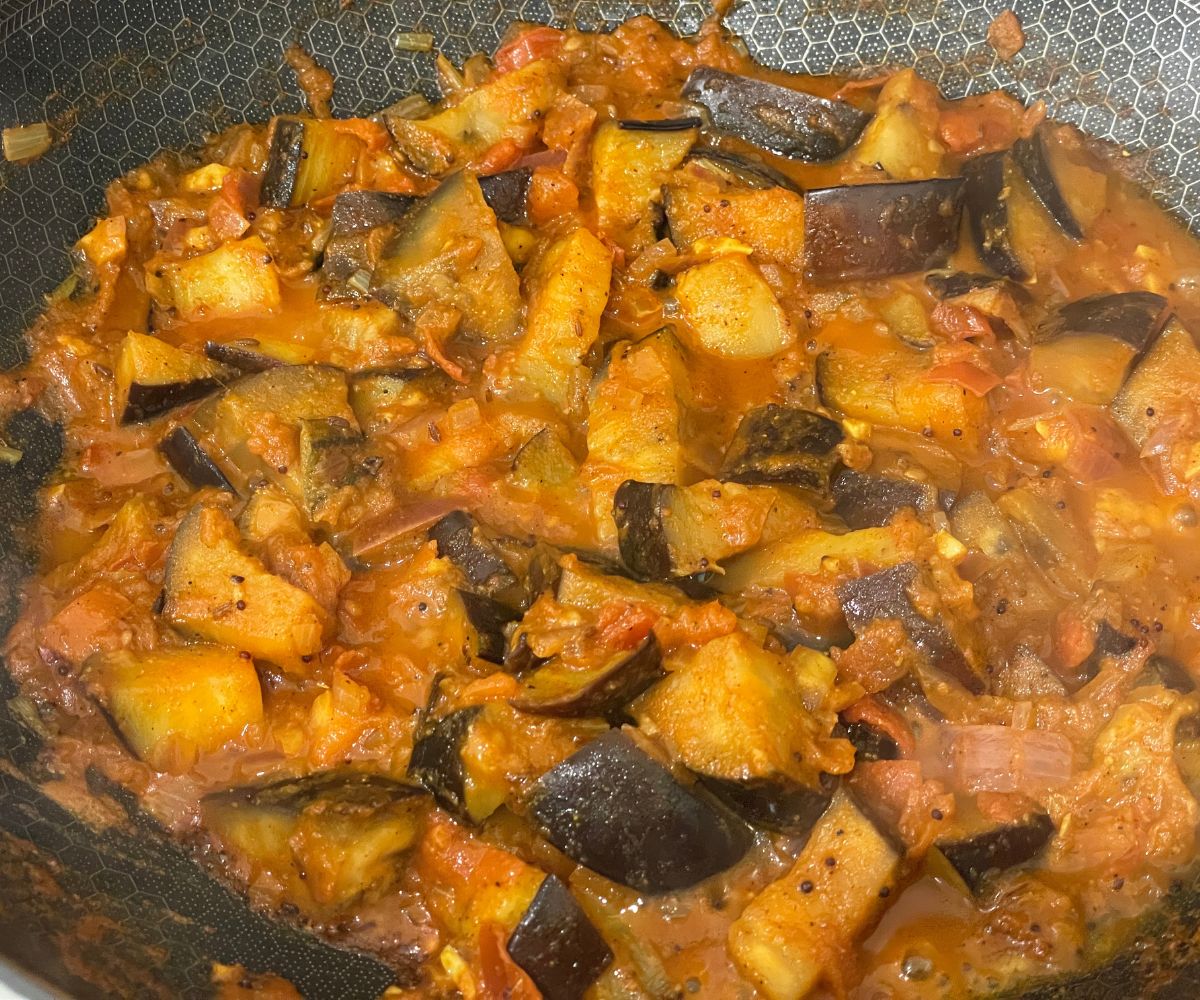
646 526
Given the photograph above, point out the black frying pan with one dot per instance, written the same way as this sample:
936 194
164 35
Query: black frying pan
120 911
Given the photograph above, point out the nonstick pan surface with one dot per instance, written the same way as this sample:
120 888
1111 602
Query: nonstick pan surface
107 907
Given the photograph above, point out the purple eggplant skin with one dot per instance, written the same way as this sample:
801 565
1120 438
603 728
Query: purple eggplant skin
491 621
776 804
507 194
998 849
147 400
283 163
458 539
659 124
783 445
1110 642
742 169
952 284
436 761
884 595
865 231
556 944
613 808
986 196
601 693
866 500
637 509
358 211
1031 158
186 456
242 355
789 122
1131 317
870 743
1168 672
337 787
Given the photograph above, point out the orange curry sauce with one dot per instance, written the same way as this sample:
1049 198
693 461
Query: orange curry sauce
645 298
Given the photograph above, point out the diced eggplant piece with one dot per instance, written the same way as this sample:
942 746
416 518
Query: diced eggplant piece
361 222
660 124
733 713
506 194
889 388
707 202
737 169
358 211
328 837
544 462
553 689
567 293
285 396
509 107
1131 317
330 458
459 539
1165 382
978 523
952 284
437 765
867 500
781 941
997 849
866 231
871 743
629 166
884 595
153 377
557 945
731 309
789 122
807 551
783 444
903 140
987 194
283 161
1168 672
170 705
1031 157
1086 348
615 809
491 621
1050 536
666 532
186 456
308 159
774 804
237 280
1109 643
244 355
217 591
448 251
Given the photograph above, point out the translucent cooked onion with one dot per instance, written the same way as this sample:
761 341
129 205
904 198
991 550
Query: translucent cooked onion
23 143
1004 759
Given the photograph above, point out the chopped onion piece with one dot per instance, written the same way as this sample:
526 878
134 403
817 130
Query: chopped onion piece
412 41
9 455
450 80
1004 759
23 143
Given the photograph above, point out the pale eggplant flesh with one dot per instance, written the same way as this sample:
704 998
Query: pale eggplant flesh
604 692
1033 160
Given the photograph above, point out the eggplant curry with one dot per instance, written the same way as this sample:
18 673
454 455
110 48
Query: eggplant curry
644 526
